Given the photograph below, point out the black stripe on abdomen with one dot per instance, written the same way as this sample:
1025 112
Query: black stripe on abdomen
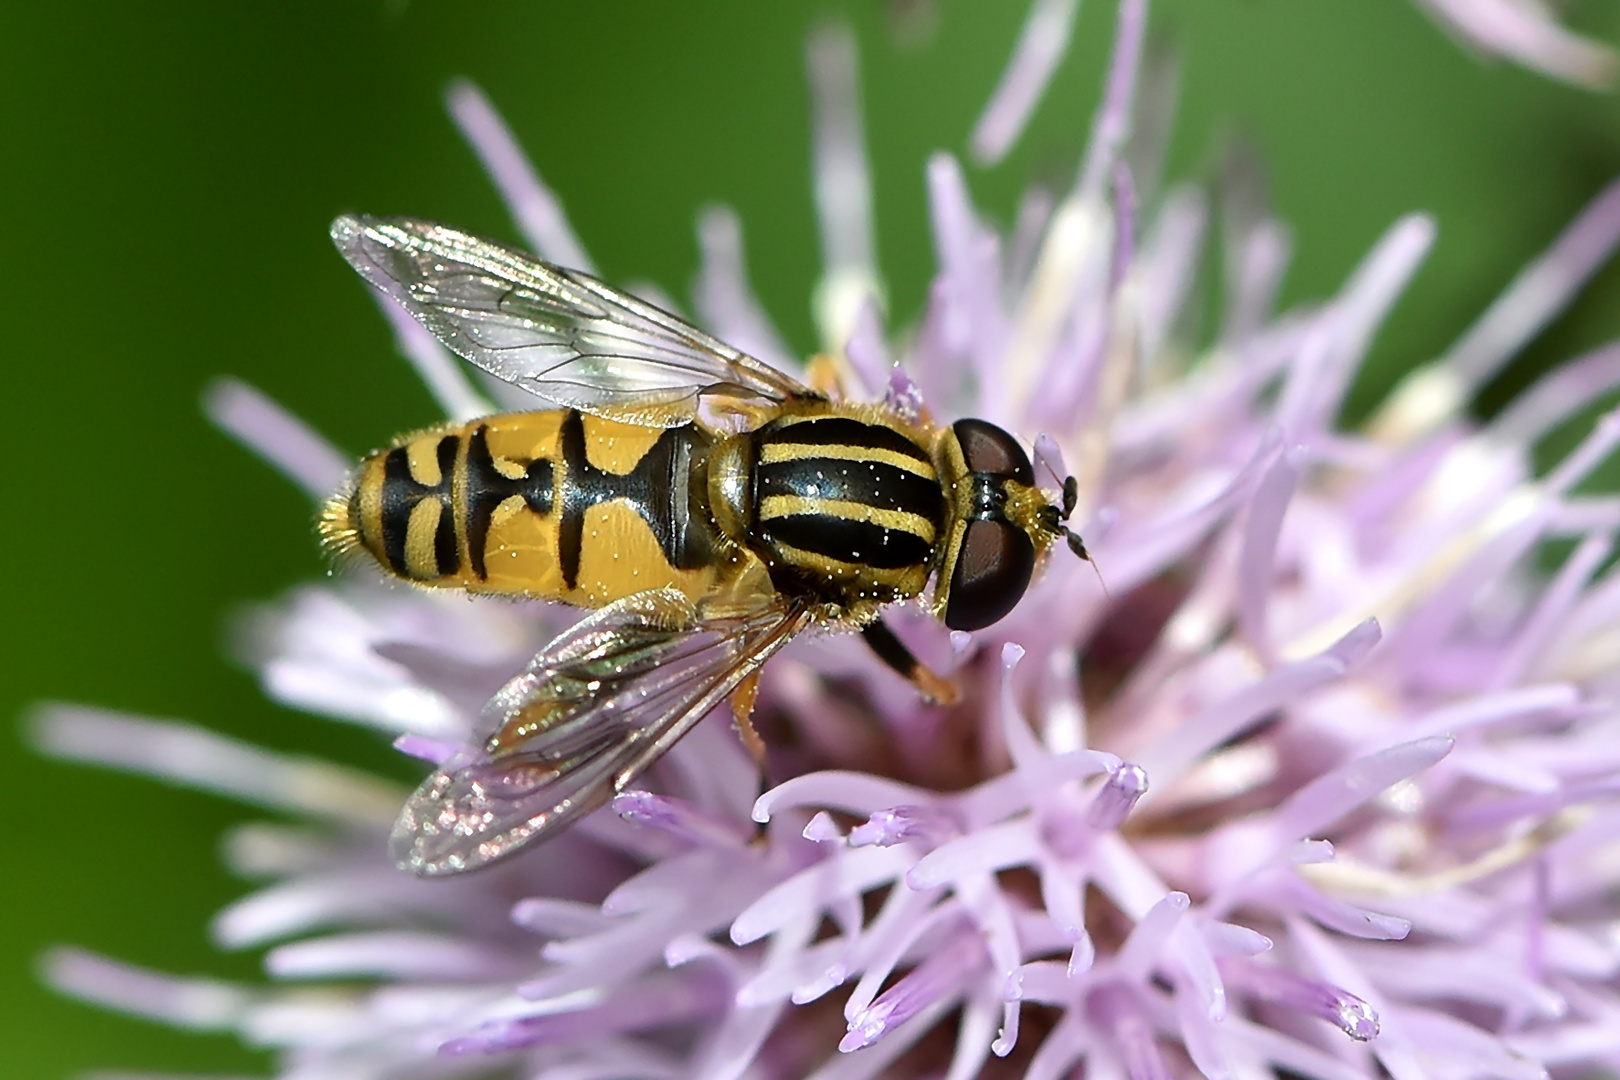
848 540
576 496
657 489
401 492
488 487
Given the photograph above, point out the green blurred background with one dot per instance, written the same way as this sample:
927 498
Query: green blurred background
168 171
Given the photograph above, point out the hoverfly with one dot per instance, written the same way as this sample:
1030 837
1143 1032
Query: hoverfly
710 507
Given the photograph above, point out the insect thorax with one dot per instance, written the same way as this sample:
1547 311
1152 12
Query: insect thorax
844 510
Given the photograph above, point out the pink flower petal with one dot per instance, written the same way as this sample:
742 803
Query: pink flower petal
536 208
723 297
1527 33
1041 45
277 436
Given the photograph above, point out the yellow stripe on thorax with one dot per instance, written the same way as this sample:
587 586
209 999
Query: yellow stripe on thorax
896 582
776 506
774 452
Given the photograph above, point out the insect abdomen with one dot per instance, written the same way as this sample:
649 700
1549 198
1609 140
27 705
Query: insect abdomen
845 503
402 509
551 504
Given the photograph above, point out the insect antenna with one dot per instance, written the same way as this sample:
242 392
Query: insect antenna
1078 546
1071 498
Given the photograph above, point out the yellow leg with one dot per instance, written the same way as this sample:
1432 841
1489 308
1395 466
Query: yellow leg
824 376
742 711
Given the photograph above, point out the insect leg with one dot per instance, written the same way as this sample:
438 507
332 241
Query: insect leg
825 377
742 711
935 688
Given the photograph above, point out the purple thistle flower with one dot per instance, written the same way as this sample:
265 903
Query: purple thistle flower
1323 782
1526 32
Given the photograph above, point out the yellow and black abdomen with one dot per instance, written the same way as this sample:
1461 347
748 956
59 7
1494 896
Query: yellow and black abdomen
845 509
553 504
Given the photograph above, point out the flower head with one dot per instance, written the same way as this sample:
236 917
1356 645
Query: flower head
1320 782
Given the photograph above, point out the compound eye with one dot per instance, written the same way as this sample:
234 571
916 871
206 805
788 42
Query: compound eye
988 449
992 571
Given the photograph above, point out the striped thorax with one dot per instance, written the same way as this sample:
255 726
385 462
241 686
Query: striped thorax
845 507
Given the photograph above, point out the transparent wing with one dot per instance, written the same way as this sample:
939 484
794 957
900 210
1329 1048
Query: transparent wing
594 708
557 333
